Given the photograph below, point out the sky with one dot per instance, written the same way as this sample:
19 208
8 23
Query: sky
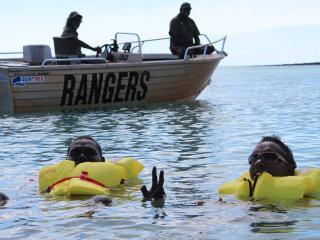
258 31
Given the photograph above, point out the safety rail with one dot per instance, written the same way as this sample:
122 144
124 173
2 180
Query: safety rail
139 45
4 56
8 53
135 34
150 40
56 60
205 46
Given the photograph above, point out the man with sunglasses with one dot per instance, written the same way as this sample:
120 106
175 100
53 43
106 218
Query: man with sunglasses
273 156
87 149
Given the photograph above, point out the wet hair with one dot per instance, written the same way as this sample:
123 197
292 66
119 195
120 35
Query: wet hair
288 153
88 138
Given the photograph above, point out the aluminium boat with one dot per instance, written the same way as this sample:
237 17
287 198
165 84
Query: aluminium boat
38 81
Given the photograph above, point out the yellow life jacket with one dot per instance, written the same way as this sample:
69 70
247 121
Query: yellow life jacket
88 178
267 187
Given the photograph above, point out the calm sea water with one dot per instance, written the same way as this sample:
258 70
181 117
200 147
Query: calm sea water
199 145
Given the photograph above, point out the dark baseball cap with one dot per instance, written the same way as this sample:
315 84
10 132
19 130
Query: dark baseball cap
185 5
75 15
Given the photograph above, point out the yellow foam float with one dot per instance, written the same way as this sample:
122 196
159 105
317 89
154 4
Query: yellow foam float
88 178
267 187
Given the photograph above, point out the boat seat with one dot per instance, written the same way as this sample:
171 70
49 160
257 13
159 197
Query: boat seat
66 47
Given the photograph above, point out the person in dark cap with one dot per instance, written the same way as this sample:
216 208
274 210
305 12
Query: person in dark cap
184 33
70 31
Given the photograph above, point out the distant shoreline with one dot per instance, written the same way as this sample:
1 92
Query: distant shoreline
293 64
276 65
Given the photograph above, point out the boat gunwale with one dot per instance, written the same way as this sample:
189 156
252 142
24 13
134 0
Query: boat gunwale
197 60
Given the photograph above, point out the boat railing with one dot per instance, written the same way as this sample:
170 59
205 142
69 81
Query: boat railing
150 40
204 47
139 42
4 56
138 45
9 53
74 60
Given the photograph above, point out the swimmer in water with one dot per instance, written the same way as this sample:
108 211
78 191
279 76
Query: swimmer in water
273 156
87 149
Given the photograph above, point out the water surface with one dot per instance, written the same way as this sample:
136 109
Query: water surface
199 145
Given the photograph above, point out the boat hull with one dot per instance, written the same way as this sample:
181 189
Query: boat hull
33 88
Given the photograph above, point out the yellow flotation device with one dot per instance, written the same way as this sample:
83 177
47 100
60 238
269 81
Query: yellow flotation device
88 178
267 187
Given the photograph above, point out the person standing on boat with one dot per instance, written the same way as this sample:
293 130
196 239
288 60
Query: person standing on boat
184 33
70 31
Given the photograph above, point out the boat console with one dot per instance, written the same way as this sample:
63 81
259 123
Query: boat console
36 54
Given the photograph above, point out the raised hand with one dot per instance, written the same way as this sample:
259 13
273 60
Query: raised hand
156 191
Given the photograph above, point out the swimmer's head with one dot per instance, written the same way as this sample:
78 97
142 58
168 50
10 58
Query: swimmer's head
85 149
273 156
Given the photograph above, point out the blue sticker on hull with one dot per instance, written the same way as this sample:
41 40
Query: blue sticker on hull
21 81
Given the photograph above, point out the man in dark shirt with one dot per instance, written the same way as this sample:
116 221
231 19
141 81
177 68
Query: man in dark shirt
184 33
70 31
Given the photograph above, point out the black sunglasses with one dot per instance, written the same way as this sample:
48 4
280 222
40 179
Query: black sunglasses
268 157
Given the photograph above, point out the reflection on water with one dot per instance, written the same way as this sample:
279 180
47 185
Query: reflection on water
199 145
272 208
264 226
273 227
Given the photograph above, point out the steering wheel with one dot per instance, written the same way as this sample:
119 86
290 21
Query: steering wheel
106 46
106 51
